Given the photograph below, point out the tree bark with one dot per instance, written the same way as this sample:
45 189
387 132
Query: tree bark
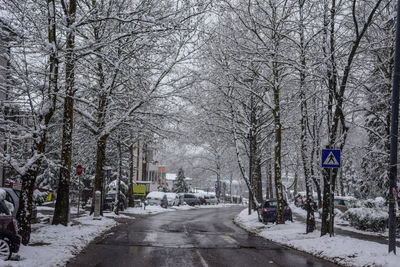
28 180
61 211
100 160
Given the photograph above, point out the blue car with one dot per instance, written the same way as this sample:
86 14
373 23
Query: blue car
268 211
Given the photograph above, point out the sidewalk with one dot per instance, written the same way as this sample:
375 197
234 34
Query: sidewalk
381 238
346 248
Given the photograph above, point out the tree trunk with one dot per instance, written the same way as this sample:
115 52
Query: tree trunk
24 213
277 157
61 210
119 176
99 176
310 222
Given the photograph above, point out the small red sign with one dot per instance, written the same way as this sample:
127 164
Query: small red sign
79 169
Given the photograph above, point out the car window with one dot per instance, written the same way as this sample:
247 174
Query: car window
339 201
9 198
270 204
189 196
17 192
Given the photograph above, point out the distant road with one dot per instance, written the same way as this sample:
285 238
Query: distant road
200 237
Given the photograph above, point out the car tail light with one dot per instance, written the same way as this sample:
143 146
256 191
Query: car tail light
15 225
265 210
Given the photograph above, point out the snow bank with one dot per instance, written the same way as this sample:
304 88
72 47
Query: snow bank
343 250
53 245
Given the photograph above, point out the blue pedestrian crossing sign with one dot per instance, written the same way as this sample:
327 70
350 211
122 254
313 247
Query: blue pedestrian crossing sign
330 158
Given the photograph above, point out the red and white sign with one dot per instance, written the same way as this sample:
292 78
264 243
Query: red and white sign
79 169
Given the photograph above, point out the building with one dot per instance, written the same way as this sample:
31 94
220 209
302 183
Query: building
7 35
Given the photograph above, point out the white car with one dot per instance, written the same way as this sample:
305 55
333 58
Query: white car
210 199
173 199
154 198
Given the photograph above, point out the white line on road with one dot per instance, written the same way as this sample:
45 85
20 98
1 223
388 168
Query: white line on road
150 237
203 262
229 239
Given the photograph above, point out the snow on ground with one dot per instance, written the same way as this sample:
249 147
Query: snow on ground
339 223
153 209
343 250
54 245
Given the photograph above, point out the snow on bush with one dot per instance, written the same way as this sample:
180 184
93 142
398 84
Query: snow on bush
370 215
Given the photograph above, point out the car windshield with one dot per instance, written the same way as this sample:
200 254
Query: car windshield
269 204
17 192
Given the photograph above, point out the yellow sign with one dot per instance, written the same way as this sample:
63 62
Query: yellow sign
49 196
139 190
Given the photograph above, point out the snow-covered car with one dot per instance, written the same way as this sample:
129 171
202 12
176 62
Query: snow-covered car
343 203
191 199
173 199
154 198
210 199
12 196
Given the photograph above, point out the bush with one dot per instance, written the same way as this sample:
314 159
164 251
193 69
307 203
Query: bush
364 218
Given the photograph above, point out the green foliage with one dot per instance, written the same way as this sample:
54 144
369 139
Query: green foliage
180 185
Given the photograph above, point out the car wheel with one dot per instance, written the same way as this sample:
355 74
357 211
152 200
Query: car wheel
5 250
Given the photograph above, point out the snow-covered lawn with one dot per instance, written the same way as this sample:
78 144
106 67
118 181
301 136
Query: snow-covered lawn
343 250
54 245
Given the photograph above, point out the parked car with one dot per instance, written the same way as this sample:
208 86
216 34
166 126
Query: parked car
191 199
314 204
173 199
299 199
210 199
111 199
9 239
181 198
200 199
342 203
154 198
12 196
267 213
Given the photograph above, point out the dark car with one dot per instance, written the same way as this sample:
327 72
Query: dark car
13 196
314 204
190 199
9 239
268 211
111 199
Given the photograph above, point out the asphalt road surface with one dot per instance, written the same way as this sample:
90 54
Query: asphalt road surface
200 237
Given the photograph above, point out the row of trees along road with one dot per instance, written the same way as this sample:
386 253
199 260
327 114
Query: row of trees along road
301 76
80 70
274 81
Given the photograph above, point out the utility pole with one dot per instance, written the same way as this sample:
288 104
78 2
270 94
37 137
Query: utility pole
394 127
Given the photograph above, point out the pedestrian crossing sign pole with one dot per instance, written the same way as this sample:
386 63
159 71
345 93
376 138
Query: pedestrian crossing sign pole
330 158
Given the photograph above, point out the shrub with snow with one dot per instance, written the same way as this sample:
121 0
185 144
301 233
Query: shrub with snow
370 215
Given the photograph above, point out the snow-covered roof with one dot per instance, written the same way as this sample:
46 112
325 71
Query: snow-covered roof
156 194
170 176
